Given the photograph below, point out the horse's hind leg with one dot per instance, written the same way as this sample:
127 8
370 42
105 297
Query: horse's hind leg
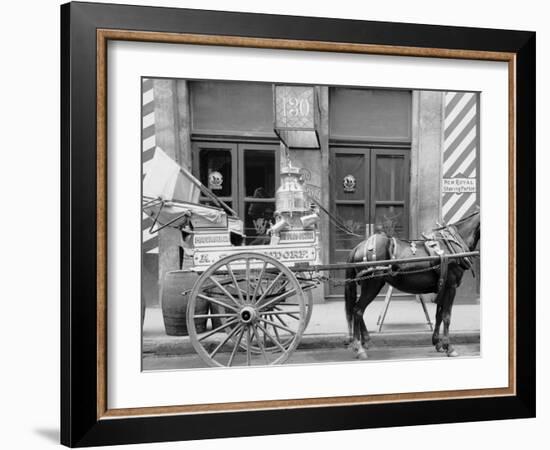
350 296
436 340
446 316
369 291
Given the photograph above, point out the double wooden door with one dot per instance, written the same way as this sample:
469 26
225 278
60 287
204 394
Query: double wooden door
369 192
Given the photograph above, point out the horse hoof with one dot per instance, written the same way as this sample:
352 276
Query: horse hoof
452 354
439 347
362 355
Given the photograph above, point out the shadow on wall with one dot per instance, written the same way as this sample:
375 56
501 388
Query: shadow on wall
49 434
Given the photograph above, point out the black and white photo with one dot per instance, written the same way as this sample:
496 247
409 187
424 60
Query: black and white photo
307 224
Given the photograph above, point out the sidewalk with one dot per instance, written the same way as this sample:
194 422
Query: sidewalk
405 325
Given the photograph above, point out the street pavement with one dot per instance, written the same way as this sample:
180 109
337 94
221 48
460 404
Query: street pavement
321 355
405 335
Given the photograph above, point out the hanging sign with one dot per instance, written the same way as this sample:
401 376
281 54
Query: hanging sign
459 185
296 116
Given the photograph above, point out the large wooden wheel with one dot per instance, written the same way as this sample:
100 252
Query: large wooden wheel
258 312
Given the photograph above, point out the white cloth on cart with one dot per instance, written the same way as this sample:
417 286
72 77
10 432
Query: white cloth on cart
167 180
168 211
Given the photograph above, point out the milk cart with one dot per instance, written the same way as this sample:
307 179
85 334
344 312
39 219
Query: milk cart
250 305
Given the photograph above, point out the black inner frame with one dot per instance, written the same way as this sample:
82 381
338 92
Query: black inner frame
79 424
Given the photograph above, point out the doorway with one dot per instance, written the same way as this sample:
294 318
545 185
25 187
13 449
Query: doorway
243 175
369 192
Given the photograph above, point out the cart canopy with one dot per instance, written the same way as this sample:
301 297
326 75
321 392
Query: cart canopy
165 179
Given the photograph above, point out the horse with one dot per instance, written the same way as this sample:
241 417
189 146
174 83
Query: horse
415 278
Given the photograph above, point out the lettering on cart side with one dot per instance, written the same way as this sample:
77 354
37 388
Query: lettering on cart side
211 239
289 255
297 236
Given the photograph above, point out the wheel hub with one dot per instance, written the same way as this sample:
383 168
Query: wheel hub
248 314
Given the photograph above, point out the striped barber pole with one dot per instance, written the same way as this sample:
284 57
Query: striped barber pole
149 241
460 151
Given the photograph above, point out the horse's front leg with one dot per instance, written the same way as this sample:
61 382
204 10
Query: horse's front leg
446 316
365 336
369 290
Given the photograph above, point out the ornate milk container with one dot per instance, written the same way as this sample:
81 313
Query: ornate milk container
291 203
291 197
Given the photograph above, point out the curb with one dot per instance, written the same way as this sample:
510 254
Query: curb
181 346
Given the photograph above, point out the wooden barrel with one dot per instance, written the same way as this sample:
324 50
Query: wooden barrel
174 304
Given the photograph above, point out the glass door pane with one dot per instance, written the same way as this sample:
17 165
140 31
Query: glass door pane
390 191
258 180
259 173
349 203
214 164
349 176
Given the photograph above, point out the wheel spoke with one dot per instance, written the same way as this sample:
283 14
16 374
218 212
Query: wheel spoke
275 324
269 288
260 344
284 285
222 343
237 343
232 275
217 302
280 320
288 313
278 312
277 343
275 330
278 298
208 316
221 327
247 276
259 282
222 281
225 291
248 343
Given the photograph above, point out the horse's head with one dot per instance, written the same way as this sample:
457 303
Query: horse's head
469 228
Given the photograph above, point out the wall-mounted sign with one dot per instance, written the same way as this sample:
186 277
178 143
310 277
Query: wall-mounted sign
215 180
296 116
349 183
306 174
459 185
313 192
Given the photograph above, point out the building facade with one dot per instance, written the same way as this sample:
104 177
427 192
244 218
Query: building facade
392 160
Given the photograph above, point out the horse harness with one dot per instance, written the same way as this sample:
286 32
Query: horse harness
440 242
454 244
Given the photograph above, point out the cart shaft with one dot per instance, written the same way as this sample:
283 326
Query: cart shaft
382 262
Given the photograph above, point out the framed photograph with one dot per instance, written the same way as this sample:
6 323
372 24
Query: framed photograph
273 224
